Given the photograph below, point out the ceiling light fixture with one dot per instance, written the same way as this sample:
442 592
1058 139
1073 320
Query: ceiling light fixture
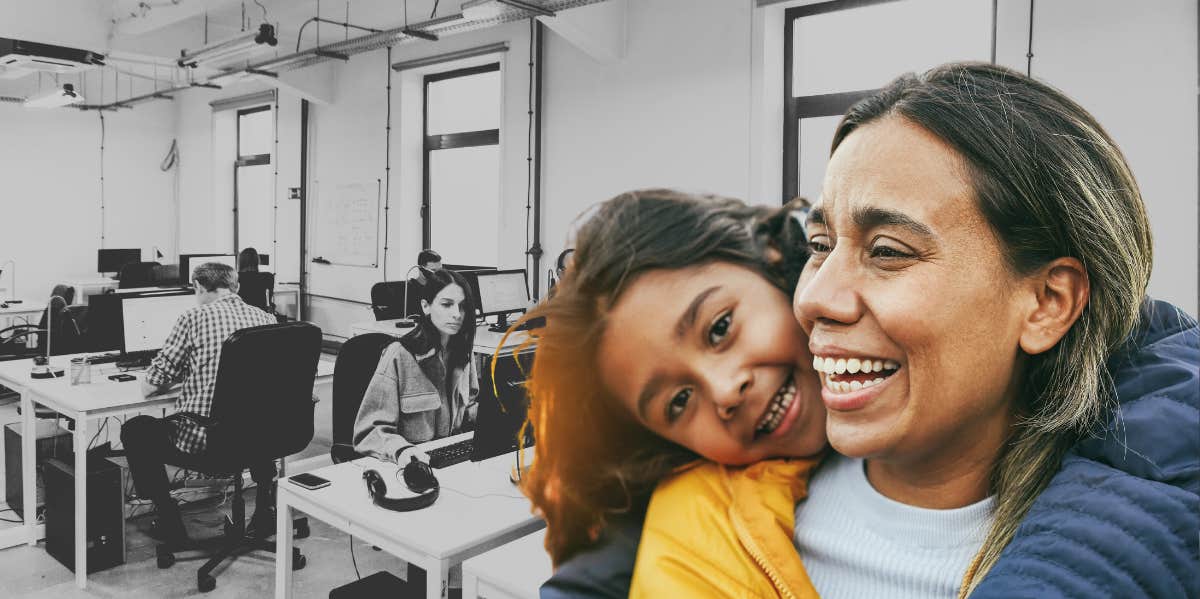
484 10
229 48
57 97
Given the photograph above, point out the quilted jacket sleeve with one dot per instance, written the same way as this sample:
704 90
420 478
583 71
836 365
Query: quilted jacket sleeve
1122 516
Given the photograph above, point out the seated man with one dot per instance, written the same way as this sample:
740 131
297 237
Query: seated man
190 355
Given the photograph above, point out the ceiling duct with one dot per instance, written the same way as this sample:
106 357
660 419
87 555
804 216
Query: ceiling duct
19 58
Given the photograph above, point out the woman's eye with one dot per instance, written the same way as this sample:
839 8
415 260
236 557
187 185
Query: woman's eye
678 404
884 251
720 328
818 245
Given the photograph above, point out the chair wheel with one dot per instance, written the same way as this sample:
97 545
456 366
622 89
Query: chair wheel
205 583
165 558
298 562
301 530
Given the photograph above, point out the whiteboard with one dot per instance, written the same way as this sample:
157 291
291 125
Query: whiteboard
347 227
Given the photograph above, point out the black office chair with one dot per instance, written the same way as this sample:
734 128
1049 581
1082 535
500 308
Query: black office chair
256 289
352 372
137 274
262 409
387 300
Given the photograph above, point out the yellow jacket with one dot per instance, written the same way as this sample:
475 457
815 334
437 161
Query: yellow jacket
723 531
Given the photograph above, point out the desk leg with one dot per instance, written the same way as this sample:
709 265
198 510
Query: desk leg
81 441
283 547
28 465
437 578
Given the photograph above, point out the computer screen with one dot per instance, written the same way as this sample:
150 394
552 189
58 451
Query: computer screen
111 260
502 291
147 320
187 262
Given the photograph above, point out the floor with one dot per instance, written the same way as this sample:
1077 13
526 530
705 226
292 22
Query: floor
31 572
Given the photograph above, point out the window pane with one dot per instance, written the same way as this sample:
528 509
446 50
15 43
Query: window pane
866 47
470 103
255 208
464 198
255 133
816 135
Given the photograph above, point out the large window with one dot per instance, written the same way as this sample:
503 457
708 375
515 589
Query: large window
461 206
254 181
836 53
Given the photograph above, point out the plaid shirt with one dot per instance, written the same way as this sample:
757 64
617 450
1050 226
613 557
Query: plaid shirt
192 353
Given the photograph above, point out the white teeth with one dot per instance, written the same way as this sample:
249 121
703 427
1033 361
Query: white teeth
853 365
855 385
891 365
849 386
778 407
878 364
867 366
840 366
829 364
818 364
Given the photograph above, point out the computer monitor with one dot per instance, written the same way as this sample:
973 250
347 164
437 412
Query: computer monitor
147 320
189 261
502 292
111 260
105 330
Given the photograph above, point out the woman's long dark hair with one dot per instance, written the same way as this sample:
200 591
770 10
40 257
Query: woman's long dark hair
462 343
248 260
591 458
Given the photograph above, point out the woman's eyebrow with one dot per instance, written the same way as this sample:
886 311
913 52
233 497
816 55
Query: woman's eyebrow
871 217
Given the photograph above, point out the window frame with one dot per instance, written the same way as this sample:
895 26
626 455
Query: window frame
447 141
244 160
798 108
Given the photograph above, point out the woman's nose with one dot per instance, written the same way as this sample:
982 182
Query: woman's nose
826 292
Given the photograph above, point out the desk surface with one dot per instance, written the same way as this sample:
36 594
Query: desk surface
477 502
99 395
26 306
517 569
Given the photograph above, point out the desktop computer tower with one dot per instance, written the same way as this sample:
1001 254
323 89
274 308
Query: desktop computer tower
105 513
52 441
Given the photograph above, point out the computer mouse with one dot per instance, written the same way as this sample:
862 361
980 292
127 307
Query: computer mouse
3 305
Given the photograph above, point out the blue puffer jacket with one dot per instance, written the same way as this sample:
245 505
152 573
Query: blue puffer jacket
1122 516
1120 519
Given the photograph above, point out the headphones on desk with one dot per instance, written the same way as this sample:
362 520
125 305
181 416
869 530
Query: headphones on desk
419 478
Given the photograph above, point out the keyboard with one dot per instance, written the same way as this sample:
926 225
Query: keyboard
105 358
136 359
449 455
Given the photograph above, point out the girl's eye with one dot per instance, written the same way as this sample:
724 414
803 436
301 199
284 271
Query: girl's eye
720 328
678 404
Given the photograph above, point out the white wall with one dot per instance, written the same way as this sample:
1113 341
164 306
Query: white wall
1133 66
50 217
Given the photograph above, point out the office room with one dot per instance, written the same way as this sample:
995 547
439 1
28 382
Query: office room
257 257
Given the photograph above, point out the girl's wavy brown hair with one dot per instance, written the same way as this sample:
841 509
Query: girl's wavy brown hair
592 458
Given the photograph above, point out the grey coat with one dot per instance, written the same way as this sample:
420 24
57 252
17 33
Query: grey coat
404 405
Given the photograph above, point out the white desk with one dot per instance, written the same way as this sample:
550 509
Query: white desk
486 342
513 571
477 509
82 403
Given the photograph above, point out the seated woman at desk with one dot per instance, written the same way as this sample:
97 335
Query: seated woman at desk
426 383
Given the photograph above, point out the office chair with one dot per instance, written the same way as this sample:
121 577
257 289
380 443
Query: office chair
262 409
137 274
387 300
352 372
256 289
14 342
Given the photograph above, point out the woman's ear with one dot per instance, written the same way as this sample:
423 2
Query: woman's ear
424 307
1062 290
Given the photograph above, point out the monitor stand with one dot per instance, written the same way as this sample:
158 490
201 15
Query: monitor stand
501 324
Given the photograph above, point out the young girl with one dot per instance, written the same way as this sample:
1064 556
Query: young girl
425 385
672 338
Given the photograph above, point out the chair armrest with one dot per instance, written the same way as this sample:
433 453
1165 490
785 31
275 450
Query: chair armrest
194 418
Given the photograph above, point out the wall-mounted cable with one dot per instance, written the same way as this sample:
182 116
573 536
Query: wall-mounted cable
1029 51
387 163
